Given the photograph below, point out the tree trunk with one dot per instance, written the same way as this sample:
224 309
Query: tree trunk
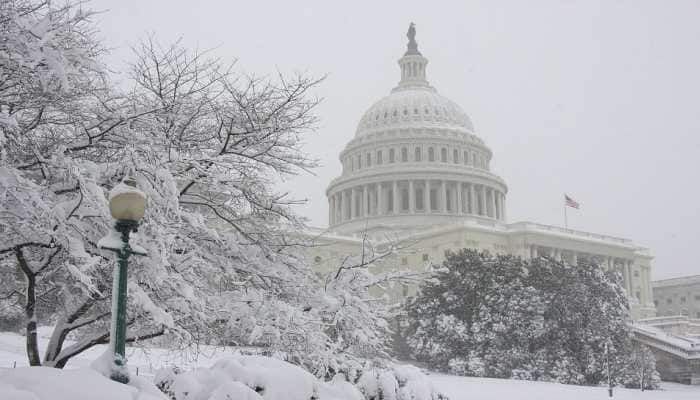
30 310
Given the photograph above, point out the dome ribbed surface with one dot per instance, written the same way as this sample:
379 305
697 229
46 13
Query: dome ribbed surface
414 107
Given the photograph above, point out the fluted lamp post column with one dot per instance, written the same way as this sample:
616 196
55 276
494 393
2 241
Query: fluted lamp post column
127 204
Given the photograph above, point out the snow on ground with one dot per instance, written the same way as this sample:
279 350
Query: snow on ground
461 388
46 383
457 388
147 360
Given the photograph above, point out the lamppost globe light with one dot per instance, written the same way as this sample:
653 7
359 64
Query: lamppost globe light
126 202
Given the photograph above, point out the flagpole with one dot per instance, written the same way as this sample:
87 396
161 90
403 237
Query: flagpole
566 220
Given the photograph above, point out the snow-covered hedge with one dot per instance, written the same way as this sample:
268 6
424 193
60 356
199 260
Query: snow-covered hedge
272 379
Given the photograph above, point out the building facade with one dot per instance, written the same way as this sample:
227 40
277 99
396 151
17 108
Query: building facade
677 296
416 170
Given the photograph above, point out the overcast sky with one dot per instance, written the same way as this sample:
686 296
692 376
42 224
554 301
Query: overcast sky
596 99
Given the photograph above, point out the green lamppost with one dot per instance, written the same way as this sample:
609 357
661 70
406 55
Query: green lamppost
127 205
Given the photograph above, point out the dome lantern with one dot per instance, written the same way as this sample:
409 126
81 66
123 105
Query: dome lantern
412 63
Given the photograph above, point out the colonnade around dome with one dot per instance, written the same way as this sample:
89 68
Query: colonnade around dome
416 196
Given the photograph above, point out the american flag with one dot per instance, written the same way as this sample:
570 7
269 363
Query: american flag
571 202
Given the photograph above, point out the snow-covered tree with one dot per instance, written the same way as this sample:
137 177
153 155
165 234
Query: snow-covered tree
540 319
206 144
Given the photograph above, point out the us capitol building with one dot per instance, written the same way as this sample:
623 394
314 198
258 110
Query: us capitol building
417 170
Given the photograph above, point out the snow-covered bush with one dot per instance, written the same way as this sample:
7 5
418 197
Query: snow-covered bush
397 382
537 319
262 377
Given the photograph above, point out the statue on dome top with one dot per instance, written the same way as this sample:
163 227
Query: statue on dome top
411 35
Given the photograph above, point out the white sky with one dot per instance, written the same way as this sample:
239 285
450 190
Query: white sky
598 99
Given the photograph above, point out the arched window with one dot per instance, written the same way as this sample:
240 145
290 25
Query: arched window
443 154
431 154
392 155
379 157
417 155
359 161
455 156
404 154
369 159
465 160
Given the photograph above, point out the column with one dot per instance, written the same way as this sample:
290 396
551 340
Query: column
331 210
557 254
483 209
458 188
353 203
628 265
625 279
426 197
395 195
411 197
574 258
499 206
380 199
365 202
344 205
646 286
472 199
443 197
503 207
496 212
493 203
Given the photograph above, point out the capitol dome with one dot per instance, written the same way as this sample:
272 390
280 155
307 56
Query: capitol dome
414 162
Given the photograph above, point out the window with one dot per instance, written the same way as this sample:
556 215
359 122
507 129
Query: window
697 297
404 154
417 155
636 274
682 299
669 301
465 159
404 199
392 155
656 303
379 157
425 256
369 159
697 314
317 259
455 156
359 161
443 155
404 261
431 154
404 290
638 295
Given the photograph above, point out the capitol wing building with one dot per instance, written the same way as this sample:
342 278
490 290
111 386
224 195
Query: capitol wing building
417 170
